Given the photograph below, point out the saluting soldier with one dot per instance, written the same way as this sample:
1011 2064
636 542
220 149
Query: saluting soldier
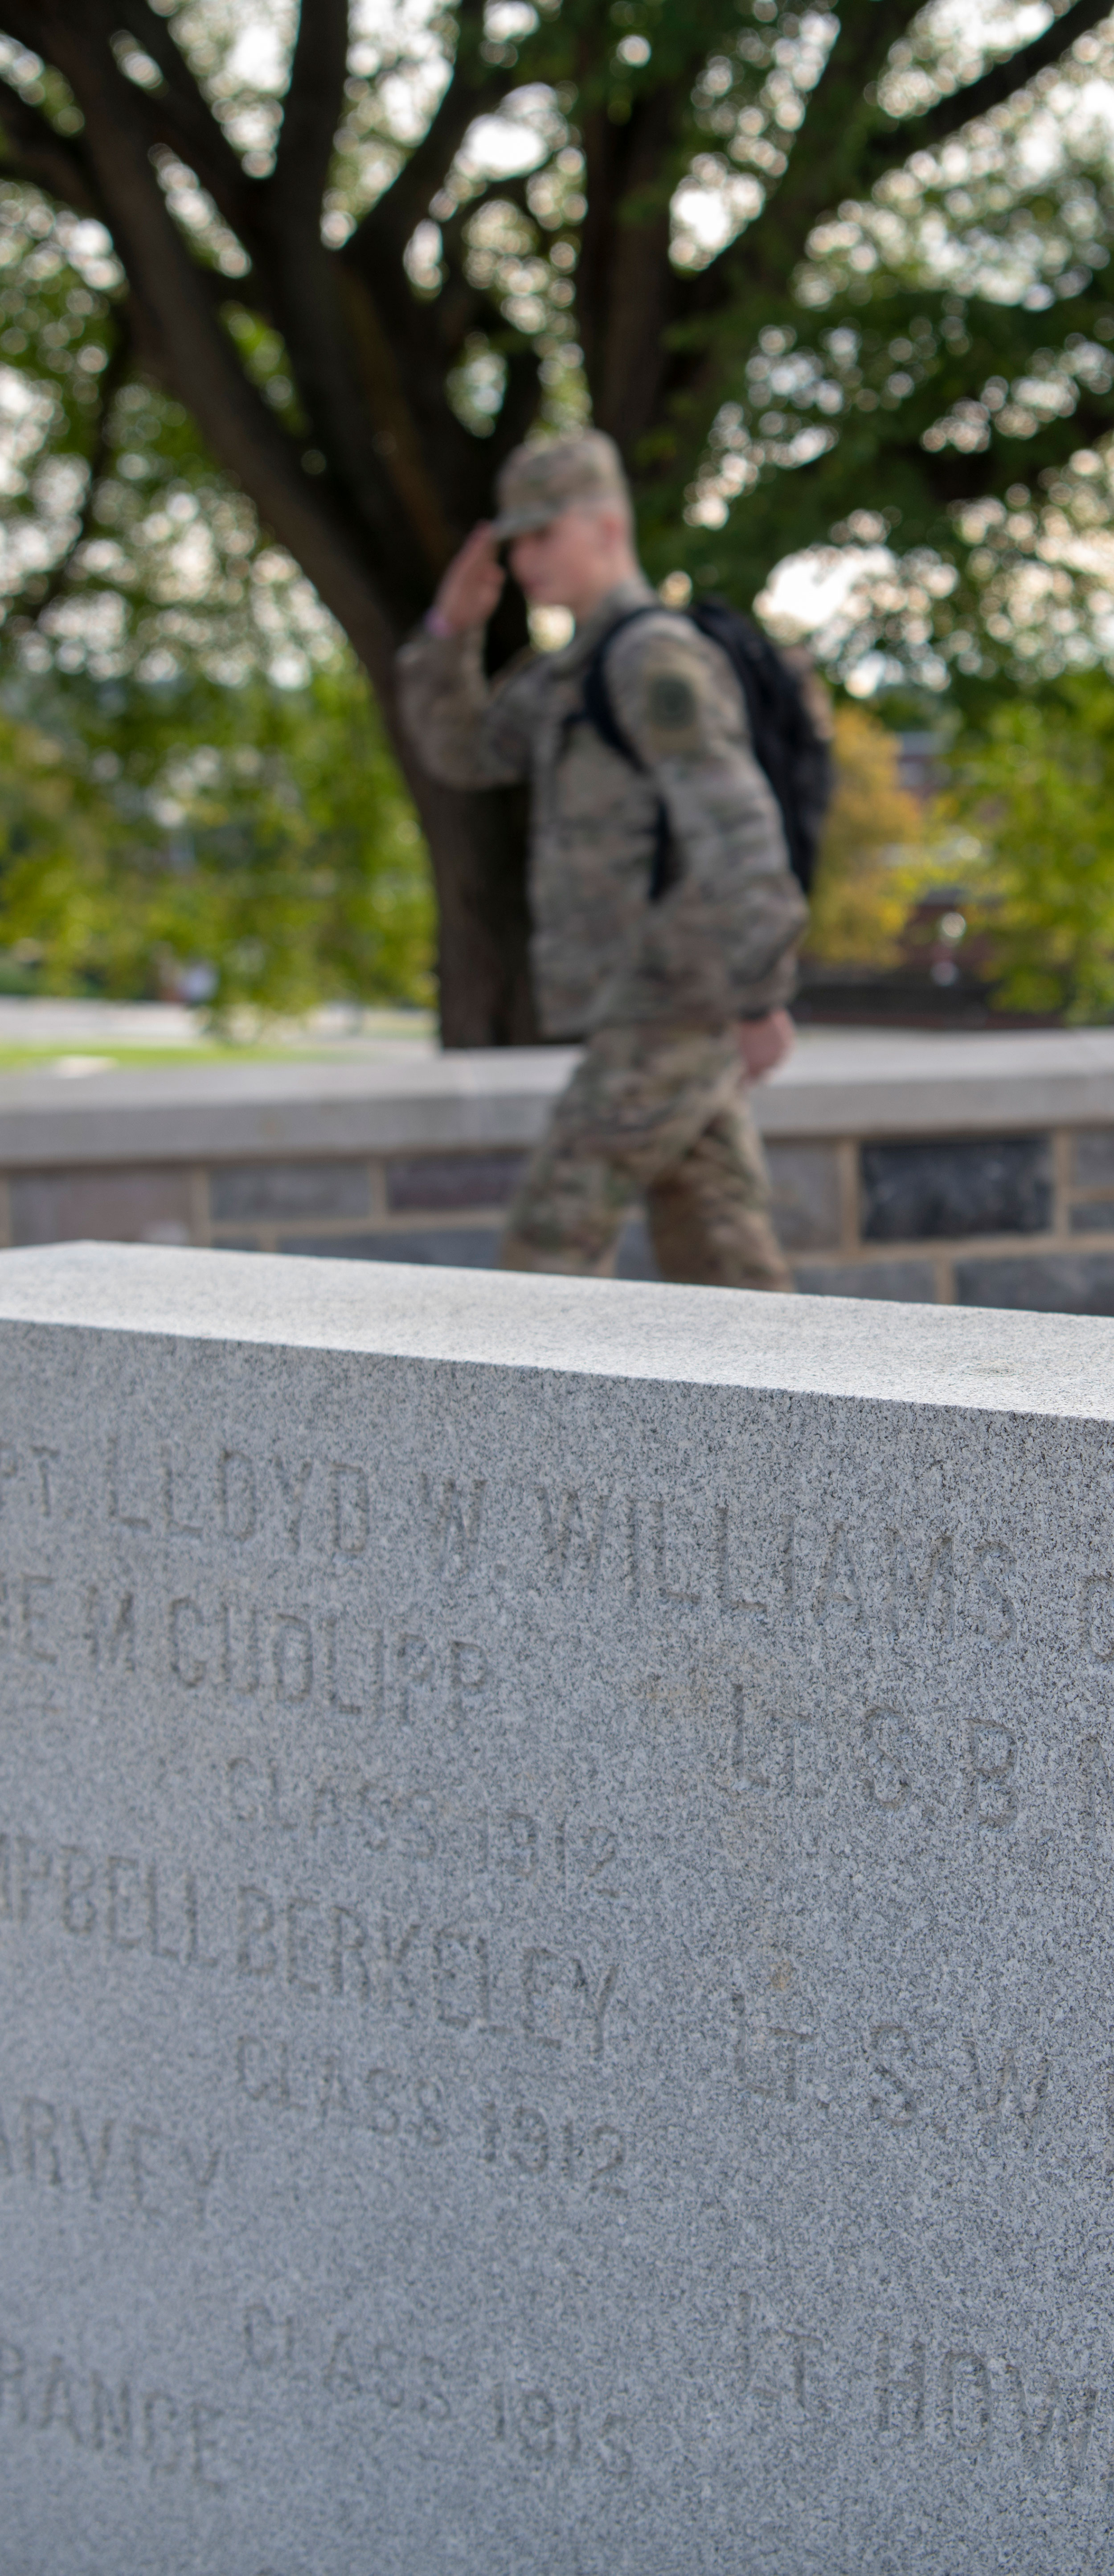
672 963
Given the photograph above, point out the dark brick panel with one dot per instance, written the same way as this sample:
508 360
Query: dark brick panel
465 1247
981 1185
127 1204
1094 1158
1052 1283
634 1258
271 1191
1096 1216
453 1181
806 1196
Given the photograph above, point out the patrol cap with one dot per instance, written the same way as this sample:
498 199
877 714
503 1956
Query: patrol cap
537 483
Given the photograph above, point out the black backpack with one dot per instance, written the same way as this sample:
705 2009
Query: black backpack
796 759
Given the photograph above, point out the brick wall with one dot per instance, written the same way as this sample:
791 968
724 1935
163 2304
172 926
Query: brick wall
978 1220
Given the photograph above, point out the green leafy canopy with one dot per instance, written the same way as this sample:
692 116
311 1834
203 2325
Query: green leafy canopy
280 287
835 281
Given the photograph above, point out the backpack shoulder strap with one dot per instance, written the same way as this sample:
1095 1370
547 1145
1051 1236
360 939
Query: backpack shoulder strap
596 705
597 709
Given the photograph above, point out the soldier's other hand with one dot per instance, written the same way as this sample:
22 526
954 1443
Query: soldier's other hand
471 589
764 1044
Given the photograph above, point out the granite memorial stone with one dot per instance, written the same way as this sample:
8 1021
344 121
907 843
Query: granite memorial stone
556 1928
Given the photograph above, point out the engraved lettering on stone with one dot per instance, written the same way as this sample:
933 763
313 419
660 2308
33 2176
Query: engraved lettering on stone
292 1653
1058 2422
540 1971
539 2426
923 1602
1097 1786
187 1629
34 1866
782 2369
764 1745
573 1532
893 2058
236 1495
268 2341
993 1609
900 2391
302 1934
239 1651
990 1771
965 2399
79 1914
839 1589
1096 1617
775 2050
118 1497
37 1618
414 1664
110 1630
340 1666
887 1765
453 1518
99 2410
46 1461
256 1954
667 1589
729 1599
173 1508
467 1676
292 1483
94 2159
350 1509
1004 2090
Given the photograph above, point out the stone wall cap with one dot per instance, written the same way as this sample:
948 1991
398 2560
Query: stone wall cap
840 1082
977 1359
908 1082
221 1112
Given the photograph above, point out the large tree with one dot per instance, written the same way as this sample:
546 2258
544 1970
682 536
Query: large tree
803 266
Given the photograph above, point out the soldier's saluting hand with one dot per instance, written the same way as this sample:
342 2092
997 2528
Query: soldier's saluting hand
664 913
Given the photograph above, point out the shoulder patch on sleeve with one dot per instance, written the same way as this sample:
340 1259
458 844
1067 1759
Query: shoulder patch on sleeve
670 702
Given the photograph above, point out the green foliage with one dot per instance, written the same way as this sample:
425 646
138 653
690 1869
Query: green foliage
1035 796
873 839
123 547
259 833
887 330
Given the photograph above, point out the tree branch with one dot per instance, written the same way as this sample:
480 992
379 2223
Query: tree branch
335 551
20 22
39 594
312 108
52 161
858 155
893 145
181 115
387 226
820 171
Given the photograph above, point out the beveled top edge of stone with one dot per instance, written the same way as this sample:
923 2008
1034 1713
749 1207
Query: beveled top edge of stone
979 1359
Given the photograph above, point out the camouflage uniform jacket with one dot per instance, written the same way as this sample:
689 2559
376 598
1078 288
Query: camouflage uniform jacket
718 945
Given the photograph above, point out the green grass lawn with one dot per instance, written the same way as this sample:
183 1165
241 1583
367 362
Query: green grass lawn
362 1046
38 1059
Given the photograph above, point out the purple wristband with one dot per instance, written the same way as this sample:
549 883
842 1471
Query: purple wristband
436 622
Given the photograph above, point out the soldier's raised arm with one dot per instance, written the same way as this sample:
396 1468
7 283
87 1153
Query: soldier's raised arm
466 732
720 946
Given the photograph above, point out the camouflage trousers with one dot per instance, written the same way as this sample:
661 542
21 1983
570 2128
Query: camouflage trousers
658 1115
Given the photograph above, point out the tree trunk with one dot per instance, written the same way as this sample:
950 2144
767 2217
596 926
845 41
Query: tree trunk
477 847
